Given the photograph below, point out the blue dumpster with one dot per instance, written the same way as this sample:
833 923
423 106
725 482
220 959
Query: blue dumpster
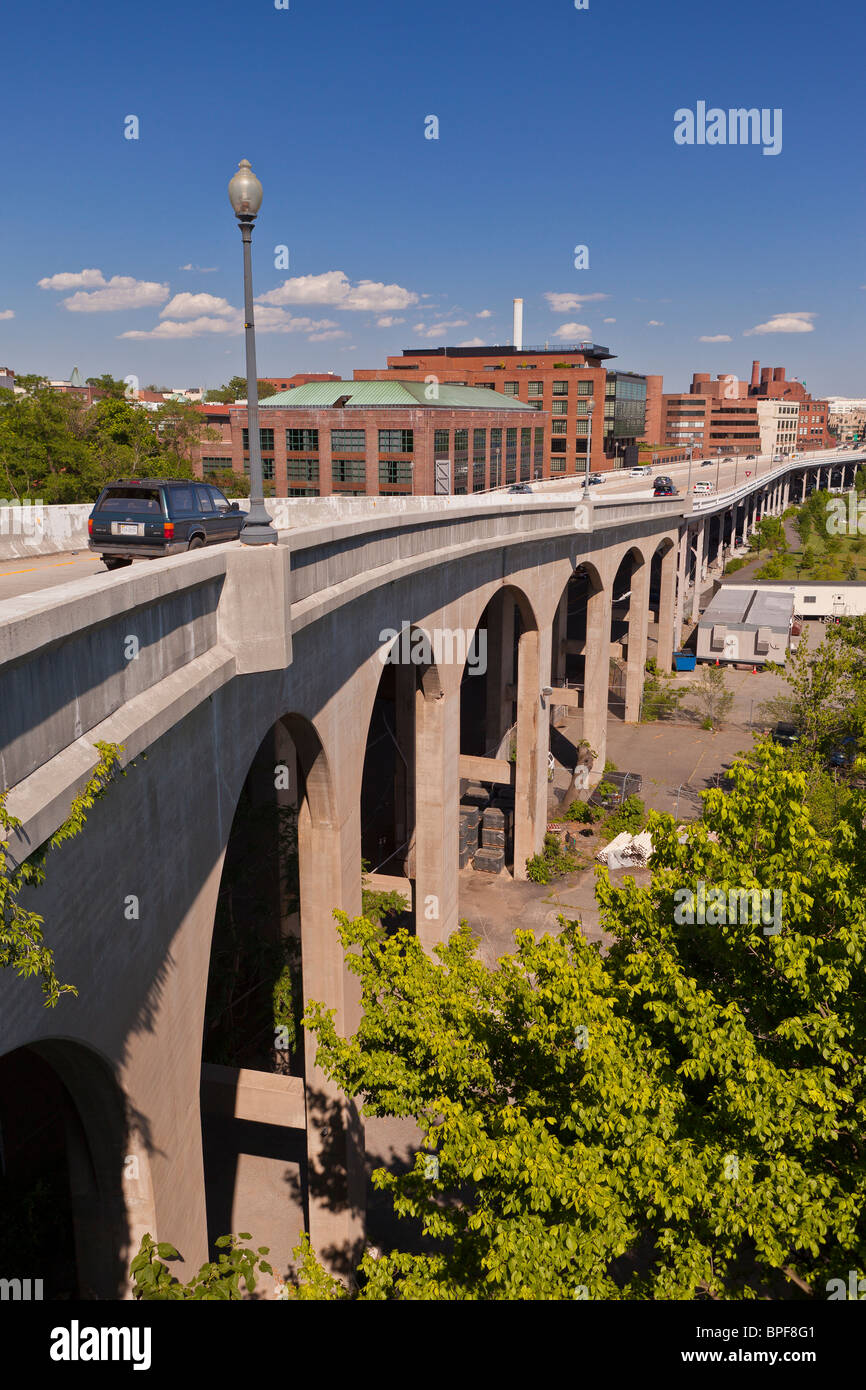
684 661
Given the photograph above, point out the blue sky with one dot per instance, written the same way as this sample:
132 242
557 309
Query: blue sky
556 128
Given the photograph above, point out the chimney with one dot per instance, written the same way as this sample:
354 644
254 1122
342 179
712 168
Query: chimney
766 375
756 374
778 373
518 323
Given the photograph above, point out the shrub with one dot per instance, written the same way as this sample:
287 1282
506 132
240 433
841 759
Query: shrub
733 565
630 816
582 812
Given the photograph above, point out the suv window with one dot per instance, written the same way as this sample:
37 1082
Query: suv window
181 499
219 499
130 499
205 501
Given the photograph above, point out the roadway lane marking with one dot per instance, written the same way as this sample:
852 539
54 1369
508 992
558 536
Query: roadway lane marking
9 573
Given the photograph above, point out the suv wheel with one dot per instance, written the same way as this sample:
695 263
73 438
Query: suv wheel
196 543
114 562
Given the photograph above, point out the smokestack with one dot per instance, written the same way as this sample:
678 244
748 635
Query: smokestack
756 373
518 323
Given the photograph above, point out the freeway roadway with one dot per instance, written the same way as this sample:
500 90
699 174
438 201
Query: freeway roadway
30 574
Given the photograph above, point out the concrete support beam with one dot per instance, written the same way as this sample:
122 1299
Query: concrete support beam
497 770
437 815
667 600
637 639
533 745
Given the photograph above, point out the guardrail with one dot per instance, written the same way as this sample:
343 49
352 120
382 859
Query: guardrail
725 499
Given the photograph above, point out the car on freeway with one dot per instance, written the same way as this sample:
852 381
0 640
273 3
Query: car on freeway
664 487
750 456
640 471
520 487
704 486
594 478
727 460
707 463
144 518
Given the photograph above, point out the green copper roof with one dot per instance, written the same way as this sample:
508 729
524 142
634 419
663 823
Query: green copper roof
407 394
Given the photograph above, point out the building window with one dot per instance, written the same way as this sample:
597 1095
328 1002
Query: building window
267 467
525 455
560 388
584 388
390 471
536 388
510 387
396 441
511 455
297 440
441 444
557 465
266 439
539 452
303 492
216 465
580 428
560 408
302 470
559 426
557 446
348 470
495 457
348 441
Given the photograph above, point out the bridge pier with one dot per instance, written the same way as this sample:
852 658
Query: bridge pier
437 814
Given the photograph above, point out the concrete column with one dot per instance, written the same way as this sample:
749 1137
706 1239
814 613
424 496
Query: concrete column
803 489
335 1130
597 673
500 670
786 493
701 549
558 641
533 746
437 815
404 769
681 581
667 601
637 635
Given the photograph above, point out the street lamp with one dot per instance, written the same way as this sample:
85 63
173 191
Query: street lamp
590 407
718 466
245 193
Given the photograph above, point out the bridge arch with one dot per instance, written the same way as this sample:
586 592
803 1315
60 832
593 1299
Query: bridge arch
68 1132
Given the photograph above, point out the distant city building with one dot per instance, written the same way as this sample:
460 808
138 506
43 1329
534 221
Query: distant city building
380 437
847 419
7 379
766 414
558 381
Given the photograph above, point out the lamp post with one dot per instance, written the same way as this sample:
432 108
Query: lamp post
245 193
590 407
718 466
691 453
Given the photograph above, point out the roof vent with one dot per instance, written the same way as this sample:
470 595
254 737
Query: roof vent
341 401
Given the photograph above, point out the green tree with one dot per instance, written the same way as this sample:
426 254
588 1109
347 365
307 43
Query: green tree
44 454
217 1280
109 384
712 698
680 1118
22 943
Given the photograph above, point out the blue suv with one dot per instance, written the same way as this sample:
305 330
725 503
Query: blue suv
149 517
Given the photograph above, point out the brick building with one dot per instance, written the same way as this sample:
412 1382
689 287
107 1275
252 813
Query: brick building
559 382
768 413
380 437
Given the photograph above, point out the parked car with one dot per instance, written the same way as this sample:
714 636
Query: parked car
148 517
704 486
785 734
520 487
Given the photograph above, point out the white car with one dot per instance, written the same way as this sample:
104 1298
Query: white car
640 471
704 487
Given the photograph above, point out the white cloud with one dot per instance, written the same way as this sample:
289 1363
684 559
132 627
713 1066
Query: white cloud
563 303
608 320
191 306
472 342
655 323
202 269
268 320
329 333
438 330
797 321
572 330
73 280
715 338
388 321
488 313
333 287
7 313
121 292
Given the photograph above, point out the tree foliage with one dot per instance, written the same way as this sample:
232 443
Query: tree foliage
680 1118
22 943
217 1280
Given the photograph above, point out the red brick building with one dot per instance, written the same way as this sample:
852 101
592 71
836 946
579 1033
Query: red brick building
387 438
558 382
